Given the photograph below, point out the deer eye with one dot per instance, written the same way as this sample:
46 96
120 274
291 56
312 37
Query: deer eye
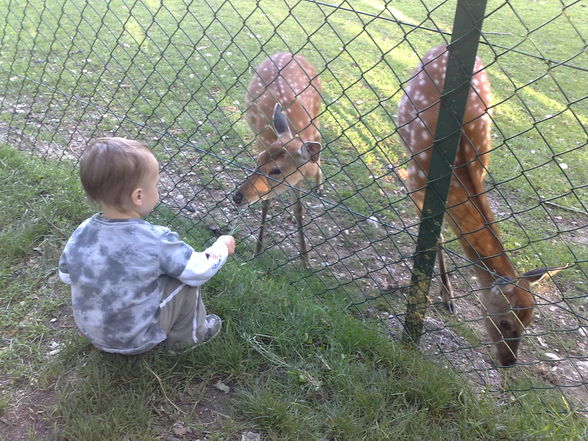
275 171
506 325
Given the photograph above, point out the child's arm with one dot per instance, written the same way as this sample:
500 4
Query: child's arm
201 266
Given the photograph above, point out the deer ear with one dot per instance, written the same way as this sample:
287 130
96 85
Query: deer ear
310 151
281 123
536 275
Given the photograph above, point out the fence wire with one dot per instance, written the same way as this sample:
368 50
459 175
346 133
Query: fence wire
174 73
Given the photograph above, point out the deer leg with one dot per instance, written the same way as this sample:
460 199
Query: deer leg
298 213
319 178
446 290
264 208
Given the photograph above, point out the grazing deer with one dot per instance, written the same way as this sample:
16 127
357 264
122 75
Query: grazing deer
283 93
505 294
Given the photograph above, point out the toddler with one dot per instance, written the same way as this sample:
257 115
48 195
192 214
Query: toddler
134 284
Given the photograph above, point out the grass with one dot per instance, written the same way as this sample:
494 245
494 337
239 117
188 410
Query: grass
296 368
151 53
175 75
36 214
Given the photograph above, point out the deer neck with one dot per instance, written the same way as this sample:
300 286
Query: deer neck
473 222
485 250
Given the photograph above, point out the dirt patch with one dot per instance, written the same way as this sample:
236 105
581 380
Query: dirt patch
28 415
553 353
451 351
199 411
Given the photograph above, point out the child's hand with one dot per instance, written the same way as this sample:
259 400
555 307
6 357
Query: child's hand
229 241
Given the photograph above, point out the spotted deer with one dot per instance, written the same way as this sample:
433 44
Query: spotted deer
283 101
505 294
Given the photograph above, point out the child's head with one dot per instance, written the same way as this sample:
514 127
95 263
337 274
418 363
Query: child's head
120 173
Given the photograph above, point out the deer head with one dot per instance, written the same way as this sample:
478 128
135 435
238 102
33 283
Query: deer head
280 166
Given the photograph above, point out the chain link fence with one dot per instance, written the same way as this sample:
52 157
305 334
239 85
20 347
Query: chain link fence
174 73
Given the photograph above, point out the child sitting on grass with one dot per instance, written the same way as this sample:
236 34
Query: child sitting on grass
134 284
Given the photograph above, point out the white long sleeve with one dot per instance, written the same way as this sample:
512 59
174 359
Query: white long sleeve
203 265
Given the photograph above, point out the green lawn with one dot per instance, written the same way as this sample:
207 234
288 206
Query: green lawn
286 365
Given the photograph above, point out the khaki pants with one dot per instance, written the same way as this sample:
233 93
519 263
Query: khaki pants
183 316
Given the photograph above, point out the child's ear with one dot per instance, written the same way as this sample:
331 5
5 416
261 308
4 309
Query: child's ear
137 196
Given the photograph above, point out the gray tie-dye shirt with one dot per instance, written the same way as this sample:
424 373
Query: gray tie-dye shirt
118 270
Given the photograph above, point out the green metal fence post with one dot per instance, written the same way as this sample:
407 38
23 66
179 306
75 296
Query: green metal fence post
462 50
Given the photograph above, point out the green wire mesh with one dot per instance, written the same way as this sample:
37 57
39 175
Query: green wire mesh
174 74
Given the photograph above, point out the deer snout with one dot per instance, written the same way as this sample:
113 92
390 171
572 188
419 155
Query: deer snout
256 187
507 351
238 197
506 335
508 361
